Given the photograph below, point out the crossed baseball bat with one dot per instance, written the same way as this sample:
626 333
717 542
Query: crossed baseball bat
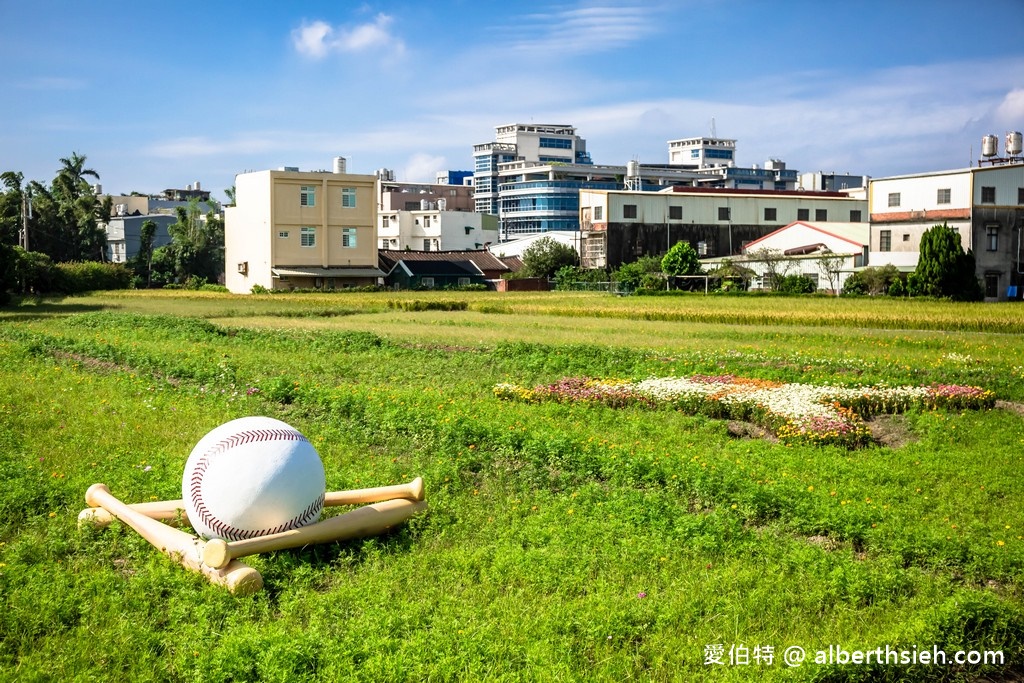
217 559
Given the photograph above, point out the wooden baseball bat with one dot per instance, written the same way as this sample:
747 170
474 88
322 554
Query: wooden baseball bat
172 510
366 521
183 548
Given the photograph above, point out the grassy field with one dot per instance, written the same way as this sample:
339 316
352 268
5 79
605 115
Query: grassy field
565 541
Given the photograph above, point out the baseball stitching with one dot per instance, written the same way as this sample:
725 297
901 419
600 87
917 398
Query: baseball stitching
226 530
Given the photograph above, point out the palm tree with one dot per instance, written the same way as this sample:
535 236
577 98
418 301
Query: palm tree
70 181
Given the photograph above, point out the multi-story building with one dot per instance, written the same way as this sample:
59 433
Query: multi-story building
434 229
532 175
124 234
619 226
293 229
984 204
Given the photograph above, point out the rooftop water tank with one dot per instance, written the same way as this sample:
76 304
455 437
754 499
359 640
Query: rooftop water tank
989 146
340 165
1013 143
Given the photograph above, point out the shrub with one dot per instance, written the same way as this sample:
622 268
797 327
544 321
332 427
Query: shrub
796 284
87 276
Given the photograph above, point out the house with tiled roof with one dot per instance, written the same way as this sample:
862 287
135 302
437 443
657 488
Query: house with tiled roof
413 269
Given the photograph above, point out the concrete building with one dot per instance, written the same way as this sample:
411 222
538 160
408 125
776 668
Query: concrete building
826 253
432 229
124 235
532 175
985 204
292 229
832 182
619 227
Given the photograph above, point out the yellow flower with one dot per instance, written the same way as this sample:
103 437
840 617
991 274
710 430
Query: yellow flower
1000 543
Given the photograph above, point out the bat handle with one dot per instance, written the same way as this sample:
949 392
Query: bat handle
216 553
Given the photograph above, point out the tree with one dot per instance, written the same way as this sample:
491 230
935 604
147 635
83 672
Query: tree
943 268
681 259
830 265
229 192
776 265
645 273
197 245
143 261
545 256
78 210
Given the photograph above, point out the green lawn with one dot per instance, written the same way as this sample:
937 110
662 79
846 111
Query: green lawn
564 542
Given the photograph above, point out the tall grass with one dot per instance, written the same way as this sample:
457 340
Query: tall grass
563 542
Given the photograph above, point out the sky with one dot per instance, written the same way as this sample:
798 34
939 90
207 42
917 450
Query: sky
161 95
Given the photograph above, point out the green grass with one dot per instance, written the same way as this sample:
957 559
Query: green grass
563 542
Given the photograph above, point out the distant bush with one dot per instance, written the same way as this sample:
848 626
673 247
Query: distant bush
797 284
213 288
87 276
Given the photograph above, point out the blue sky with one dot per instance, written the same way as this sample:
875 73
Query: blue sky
161 95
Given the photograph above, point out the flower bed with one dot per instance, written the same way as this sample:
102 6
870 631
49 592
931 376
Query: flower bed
795 413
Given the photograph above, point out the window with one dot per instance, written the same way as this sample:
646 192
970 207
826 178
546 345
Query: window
348 197
282 234
307 195
675 213
426 221
463 281
992 235
1020 195
943 196
894 199
885 240
821 214
427 281
384 221
426 245
906 237
348 238
803 214
988 195
598 213
629 210
307 238
771 215
855 216
724 213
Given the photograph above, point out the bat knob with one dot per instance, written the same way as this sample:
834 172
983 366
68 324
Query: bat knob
215 554
91 494
416 488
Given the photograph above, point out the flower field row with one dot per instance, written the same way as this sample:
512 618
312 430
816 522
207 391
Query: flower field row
794 412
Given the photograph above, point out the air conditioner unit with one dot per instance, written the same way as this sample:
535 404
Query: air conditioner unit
243 267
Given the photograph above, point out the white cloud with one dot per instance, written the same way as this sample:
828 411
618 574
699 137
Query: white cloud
422 167
317 39
1010 111
586 29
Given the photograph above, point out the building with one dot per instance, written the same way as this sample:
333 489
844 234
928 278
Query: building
518 246
454 178
832 182
619 227
984 204
124 235
431 217
826 253
297 229
437 269
532 175
432 229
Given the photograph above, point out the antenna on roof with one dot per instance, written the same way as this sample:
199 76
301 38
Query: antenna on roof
713 127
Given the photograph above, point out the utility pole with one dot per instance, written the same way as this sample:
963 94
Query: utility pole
26 214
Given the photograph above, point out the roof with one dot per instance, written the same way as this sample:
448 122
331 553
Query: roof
857 234
309 271
430 268
481 258
514 263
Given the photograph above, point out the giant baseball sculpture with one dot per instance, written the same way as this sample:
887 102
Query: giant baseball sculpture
252 485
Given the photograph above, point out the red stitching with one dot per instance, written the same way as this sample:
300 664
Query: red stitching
227 531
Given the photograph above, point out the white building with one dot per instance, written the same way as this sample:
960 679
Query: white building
827 253
434 229
985 204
